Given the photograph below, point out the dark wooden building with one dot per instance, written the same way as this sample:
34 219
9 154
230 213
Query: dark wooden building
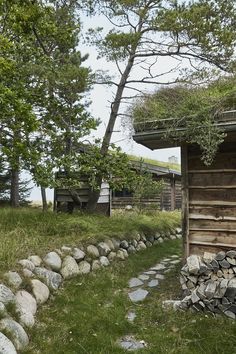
208 192
169 199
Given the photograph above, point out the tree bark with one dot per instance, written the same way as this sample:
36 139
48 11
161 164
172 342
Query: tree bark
44 199
15 195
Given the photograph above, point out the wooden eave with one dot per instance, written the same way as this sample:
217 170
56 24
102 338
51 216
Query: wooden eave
156 139
159 171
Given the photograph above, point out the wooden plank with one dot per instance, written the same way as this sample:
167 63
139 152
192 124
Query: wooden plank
211 170
216 212
185 198
220 162
213 239
211 217
228 245
212 224
216 230
212 180
200 249
213 195
213 187
211 203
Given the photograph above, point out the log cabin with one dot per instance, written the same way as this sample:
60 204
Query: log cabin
208 192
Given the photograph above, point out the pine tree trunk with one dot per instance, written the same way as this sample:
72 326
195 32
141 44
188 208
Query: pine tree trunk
44 199
15 195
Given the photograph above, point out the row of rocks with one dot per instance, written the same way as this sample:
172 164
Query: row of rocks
209 283
30 286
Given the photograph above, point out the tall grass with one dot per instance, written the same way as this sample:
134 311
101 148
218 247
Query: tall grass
27 231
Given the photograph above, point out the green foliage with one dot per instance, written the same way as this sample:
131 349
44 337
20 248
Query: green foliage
194 108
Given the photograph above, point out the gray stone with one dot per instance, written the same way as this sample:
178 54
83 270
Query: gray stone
6 346
176 261
36 260
84 267
208 256
40 291
148 244
104 261
158 267
112 256
92 251
120 255
143 277
66 250
26 319
193 264
69 267
178 230
143 238
231 261
27 273
224 264
125 252
231 254
138 295
194 297
141 246
210 289
124 244
130 343
230 314
116 243
153 283
110 244
155 242
25 301
25 263
96 265
78 254
215 265
131 315
171 304
157 235
131 249
6 295
3 310
231 289
220 256
134 243
150 272
150 238
52 279
103 249
13 279
16 331
53 261
160 276
134 282
160 240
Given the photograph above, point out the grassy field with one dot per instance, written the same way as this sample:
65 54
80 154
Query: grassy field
88 315
28 231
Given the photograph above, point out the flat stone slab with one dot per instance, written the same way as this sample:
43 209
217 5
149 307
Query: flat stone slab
176 261
134 282
153 283
130 343
143 277
131 315
138 295
150 272
166 260
159 267
160 276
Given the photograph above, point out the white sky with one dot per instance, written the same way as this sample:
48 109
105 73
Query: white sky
100 107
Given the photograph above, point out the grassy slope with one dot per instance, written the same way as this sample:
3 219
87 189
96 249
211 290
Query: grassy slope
26 231
88 315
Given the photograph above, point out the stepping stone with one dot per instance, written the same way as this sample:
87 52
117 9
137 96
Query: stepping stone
150 272
160 276
174 256
138 295
159 267
166 260
177 261
134 282
131 316
153 283
130 343
144 277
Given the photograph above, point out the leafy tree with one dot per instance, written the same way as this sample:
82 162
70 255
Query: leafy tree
146 31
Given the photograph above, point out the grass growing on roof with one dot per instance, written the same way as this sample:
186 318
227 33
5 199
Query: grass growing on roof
173 166
28 231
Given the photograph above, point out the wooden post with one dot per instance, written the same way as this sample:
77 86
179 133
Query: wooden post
185 199
172 197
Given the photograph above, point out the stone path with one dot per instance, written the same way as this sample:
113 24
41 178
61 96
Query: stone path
138 290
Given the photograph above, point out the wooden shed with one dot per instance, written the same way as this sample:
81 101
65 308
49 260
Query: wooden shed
208 192
170 197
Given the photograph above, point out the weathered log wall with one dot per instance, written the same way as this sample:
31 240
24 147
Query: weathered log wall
211 200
